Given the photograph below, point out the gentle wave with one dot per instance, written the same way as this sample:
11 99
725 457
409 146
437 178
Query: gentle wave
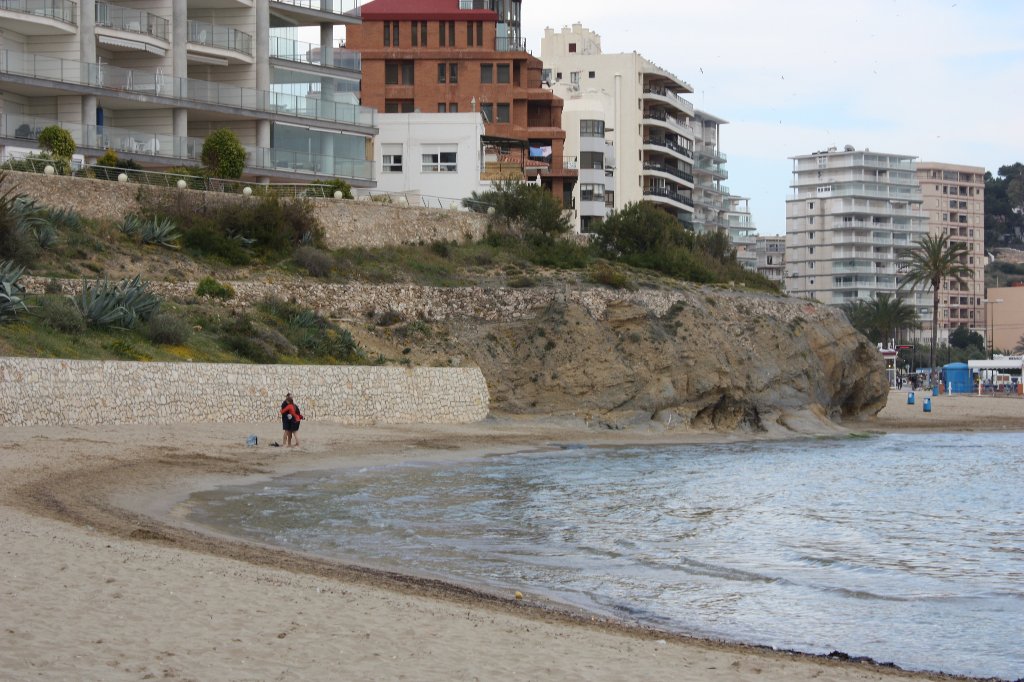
903 548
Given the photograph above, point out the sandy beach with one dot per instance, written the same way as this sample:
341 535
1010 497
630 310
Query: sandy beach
100 583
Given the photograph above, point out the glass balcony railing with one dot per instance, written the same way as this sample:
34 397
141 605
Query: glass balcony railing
309 53
61 10
185 148
223 37
330 6
685 104
132 20
510 45
156 83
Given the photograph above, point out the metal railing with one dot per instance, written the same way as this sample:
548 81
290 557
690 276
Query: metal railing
145 82
223 37
668 194
309 53
671 120
509 45
187 149
682 175
132 20
670 145
331 6
61 10
684 104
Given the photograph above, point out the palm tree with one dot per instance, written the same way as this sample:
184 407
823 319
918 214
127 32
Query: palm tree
931 260
882 317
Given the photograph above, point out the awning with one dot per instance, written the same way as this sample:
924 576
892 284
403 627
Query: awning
131 44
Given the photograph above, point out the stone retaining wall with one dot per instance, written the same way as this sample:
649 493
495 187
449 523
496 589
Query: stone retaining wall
346 223
45 392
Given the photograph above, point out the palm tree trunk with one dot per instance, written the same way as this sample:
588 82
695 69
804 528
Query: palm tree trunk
935 328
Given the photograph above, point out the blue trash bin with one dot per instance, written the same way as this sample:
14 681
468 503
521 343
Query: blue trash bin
910 398
927 404
935 389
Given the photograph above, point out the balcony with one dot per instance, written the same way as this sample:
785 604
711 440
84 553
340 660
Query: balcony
171 149
674 124
203 34
39 17
510 45
130 20
675 172
309 54
144 85
668 144
665 193
314 12
668 97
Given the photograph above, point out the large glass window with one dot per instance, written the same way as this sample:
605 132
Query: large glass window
487 73
504 113
440 158
488 112
504 73
591 128
591 192
592 160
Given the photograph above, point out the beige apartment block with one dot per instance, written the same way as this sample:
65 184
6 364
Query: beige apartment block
150 80
1005 319
770 255
954 199
850 214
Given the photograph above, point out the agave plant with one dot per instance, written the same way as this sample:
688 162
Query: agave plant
45 235
161 231
63 219
131 225
104 304
12 293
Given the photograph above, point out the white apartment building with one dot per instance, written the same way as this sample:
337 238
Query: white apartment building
432 160
626 103
849 216
770 253
954 199
638 138
151 79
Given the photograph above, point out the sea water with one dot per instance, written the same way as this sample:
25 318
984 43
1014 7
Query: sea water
903 548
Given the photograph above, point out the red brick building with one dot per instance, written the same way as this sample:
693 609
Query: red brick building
466 55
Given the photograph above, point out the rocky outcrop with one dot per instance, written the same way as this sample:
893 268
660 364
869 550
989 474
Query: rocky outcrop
705 357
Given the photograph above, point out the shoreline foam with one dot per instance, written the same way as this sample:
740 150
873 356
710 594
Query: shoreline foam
119 594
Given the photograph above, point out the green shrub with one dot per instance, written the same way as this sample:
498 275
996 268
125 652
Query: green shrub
126 351
18 219
327 188
206 240
390 318
316 262
223 154
605 273
521 282
60 314
521 208
58 142
166 329
208 286
12 293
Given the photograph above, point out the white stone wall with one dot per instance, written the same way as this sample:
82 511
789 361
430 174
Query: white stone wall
46 392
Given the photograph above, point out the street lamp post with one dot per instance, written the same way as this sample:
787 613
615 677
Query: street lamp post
992 324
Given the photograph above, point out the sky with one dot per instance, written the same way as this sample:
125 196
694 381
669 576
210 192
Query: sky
939 80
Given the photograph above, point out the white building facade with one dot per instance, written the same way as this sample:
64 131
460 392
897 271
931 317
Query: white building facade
849 216
431 160
151 80
770 253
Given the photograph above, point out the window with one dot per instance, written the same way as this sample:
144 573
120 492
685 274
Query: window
446 33
390 34
442 72
479 34
572 47
810 235
474 27
392 155
453 108
442 108
504 113
592 160
415 34
487 73
592 74
391 73
504 75
440 158
609 198
399 73
591 128
824 189
487 110
453 72
398 106
810 220
589 192
810 205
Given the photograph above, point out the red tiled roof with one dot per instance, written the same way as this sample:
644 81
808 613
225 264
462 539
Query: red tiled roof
436 10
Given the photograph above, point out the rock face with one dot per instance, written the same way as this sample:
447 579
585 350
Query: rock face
705 357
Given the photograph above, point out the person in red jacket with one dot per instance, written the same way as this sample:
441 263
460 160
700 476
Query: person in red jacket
291 417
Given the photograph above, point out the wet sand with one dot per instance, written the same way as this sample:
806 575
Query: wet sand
101 582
